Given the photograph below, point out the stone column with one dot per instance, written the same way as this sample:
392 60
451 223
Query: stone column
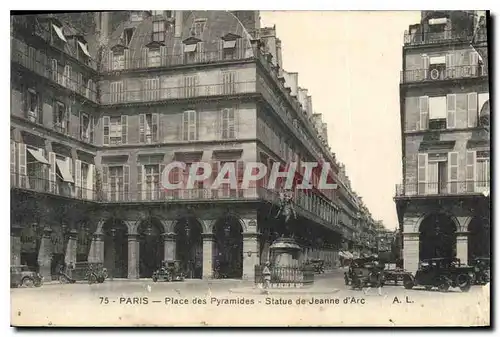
411 251
133 257
45 254
208 248
70 256
15 245
462 247
169 246
250 254
96 254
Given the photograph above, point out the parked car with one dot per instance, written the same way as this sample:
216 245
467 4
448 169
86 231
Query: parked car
22 276
365 272
442 273
169 271
84 271
481 270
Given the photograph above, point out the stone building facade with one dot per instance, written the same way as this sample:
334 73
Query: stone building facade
101 102
443 203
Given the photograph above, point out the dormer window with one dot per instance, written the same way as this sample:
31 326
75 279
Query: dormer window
190 45
118 59
159 31
229 45
154 58
198 27
136 16
127 36
57 29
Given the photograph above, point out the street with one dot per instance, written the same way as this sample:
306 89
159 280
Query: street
225 302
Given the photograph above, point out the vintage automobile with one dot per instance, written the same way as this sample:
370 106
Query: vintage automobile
22 276
481 270
442 273
169 271
395 275
365 272
318 265
84 271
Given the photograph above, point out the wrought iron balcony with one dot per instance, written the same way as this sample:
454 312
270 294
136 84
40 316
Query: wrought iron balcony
446 36
43 185
443 189
32 60
182 92
175 59
450 73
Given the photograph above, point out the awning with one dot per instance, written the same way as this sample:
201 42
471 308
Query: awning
63 169
84 49
189 48
438 21
38 156
229 44
59 32
437 60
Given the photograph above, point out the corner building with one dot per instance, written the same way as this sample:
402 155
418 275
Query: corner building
101 102
443 203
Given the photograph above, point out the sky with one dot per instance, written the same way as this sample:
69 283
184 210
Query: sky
350 62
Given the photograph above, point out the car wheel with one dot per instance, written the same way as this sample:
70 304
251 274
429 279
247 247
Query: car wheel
28 282
463 282
169 278
92 279
408 283
62 279
155 278
444 286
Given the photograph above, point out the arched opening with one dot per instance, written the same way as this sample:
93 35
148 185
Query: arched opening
189 246
151 247
437 237
228 249
479 238
116 248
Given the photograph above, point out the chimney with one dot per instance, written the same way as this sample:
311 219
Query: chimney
178 23
104 28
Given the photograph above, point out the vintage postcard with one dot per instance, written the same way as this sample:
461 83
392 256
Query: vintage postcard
169 168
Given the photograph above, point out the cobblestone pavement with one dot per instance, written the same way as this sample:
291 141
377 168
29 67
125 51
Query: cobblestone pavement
196 302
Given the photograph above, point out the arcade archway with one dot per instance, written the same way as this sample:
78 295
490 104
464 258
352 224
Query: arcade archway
189 246
151 247
437 237
479 238
116 248
228 249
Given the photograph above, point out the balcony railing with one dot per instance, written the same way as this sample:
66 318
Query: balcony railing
142 96
177 59
445 36
44 185
428 75
37 62
447 188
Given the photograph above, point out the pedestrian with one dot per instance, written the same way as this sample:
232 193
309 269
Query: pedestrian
266 272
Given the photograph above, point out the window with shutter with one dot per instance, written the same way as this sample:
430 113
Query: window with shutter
13 160
52 172
472 109
106 130
470 170
124 129
453 186
424 112
142 130
190 125
228 83
451 107
118 60
482 172
422 173
116 183
154 57
126 183
425 66
80 181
